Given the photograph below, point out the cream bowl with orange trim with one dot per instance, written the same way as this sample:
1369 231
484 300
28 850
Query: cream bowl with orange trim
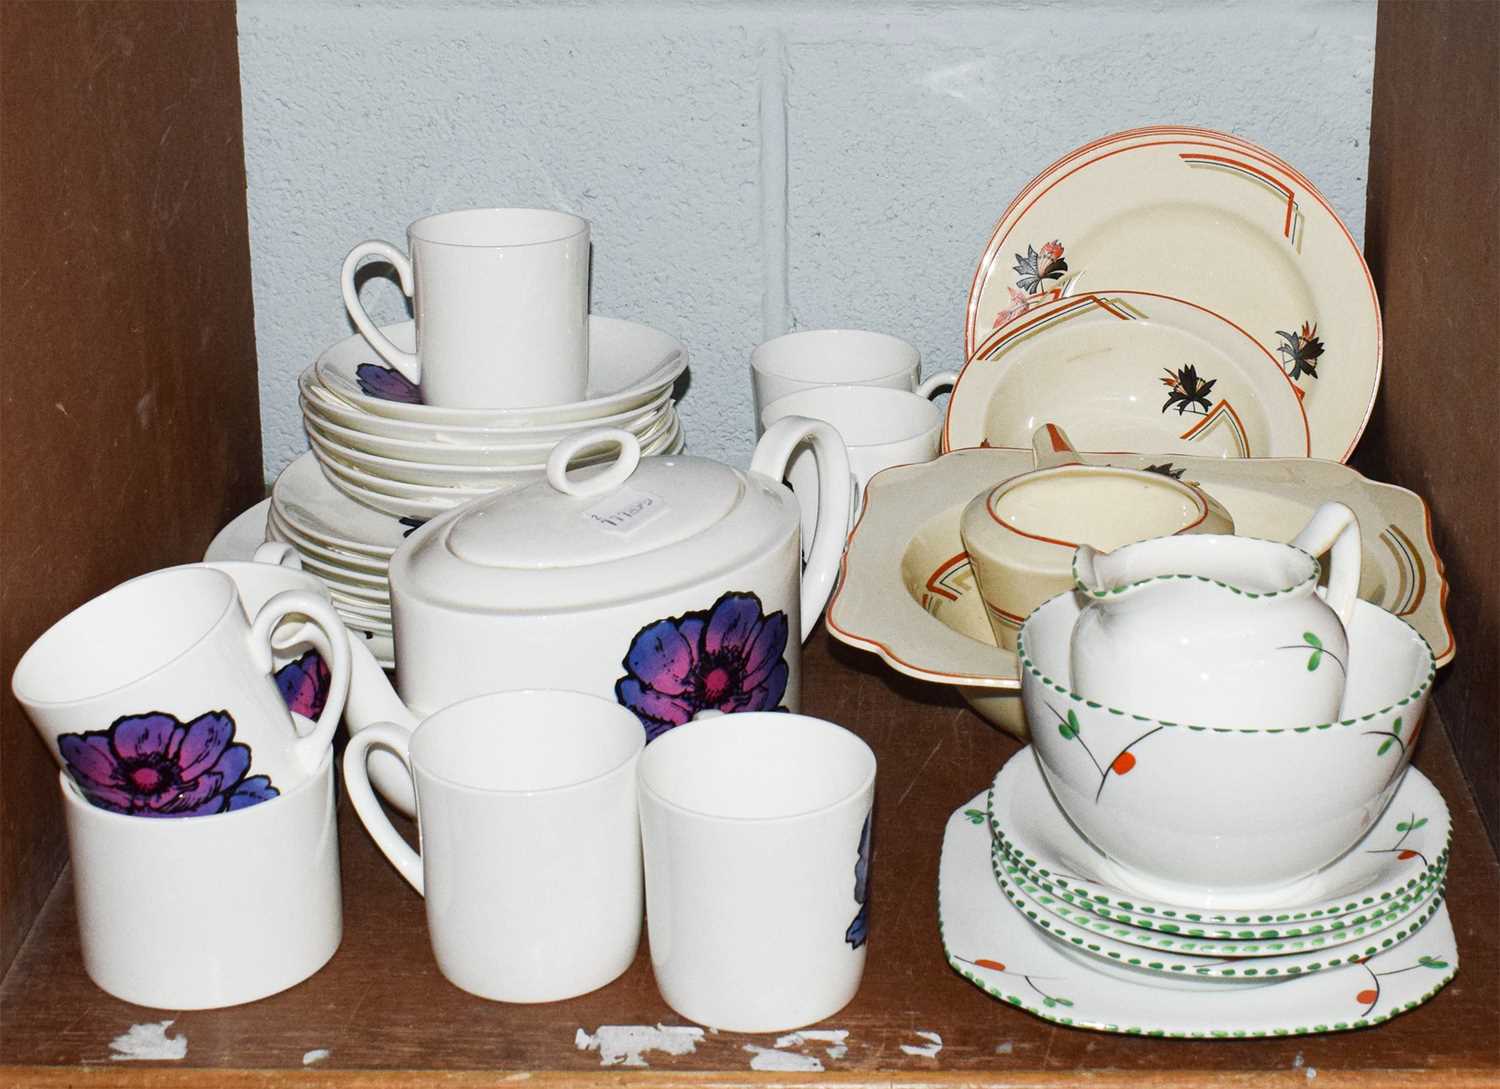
1020 535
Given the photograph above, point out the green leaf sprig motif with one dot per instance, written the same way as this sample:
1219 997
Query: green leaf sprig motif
1310 641
976 816
1403 853
1370 996
1124 761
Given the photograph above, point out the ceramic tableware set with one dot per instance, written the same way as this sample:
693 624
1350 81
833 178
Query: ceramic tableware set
598 691
406 421
1220 648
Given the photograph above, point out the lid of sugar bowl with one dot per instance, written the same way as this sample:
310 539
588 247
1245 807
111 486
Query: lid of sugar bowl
620 529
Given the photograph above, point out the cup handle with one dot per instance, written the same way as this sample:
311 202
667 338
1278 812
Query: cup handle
405 362
278 554
939 382
1334 528
772 454
397 740
1050 447
310 749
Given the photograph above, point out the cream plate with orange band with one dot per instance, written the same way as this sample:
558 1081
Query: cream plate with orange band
1128 370
1205 217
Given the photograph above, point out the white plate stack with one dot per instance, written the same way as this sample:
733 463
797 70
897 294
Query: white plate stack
381 462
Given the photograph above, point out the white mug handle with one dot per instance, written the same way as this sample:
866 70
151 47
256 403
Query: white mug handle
278 554
405 362
1334 528
835 482
396 740
939 382
309 750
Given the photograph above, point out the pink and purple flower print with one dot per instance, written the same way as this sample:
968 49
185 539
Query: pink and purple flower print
155 765
387 384
304 684
729 658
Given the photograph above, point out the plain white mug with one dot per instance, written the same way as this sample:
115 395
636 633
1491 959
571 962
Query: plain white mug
500 297
531 859
838 357
881 427
158 696
210 912
756 833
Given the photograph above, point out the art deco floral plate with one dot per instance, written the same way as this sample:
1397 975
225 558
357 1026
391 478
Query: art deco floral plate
1403 851
907 589
1205 217
1128 370
997 949
630 365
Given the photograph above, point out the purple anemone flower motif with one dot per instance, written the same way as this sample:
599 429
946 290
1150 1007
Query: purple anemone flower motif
729 658
154 765
387 384
304 684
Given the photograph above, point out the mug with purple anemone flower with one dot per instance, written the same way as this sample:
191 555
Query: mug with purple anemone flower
158 698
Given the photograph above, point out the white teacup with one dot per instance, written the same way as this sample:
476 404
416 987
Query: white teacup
500 297
881 427
531 858
216 911
756 830
837 357
157 696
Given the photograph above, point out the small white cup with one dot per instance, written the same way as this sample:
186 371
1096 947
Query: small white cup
837 357
500 297
215 911
881 427
157 696
756 830
531 856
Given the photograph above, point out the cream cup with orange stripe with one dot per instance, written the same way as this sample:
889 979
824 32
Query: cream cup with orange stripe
1020 535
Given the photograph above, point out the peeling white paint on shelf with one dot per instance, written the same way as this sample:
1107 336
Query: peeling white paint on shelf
770 1058
625 1045
929 1050
148 1042
1004 1049
837 1040
316 1055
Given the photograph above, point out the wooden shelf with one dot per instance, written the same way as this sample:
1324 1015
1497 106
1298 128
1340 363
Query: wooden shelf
380 1008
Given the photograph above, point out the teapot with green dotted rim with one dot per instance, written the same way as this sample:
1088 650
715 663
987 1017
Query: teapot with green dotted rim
1217 630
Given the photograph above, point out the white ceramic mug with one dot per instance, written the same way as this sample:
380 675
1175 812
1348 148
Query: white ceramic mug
531 859
837 357
500 297
881 427
211 912
756 831
158 696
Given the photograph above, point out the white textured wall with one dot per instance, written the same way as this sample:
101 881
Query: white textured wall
747 168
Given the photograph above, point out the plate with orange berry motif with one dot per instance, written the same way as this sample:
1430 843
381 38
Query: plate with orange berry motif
1210 218
995 947
1403 855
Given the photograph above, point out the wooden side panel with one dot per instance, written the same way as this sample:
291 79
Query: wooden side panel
129 419
1431 236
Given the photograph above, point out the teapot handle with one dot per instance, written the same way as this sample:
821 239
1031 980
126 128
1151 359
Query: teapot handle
772 454
1334 527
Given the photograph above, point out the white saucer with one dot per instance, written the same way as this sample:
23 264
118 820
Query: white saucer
238 541
998 950
241 537
1389 862
629 365
310 504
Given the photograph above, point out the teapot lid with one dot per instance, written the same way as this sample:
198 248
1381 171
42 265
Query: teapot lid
598 533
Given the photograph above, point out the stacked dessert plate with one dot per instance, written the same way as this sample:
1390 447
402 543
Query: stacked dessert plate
381 446
1033 914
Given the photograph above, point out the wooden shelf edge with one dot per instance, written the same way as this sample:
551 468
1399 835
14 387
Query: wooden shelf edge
156 1076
